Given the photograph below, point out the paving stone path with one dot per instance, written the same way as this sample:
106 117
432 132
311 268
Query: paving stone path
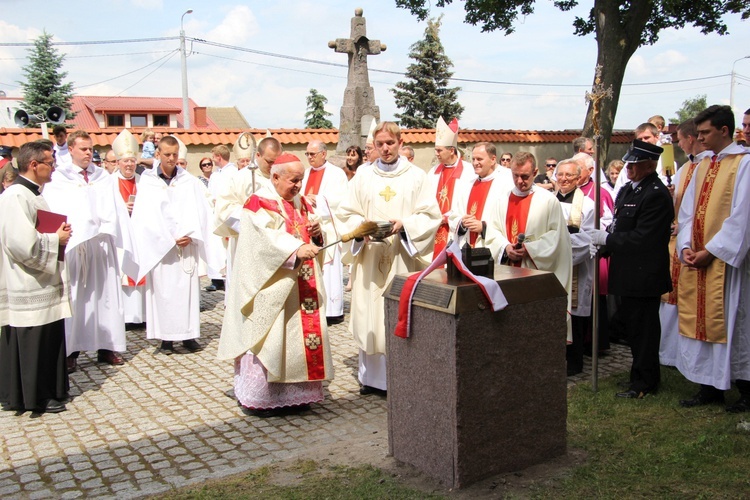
160 422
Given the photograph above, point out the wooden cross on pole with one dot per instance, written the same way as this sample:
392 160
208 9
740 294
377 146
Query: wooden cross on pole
598 92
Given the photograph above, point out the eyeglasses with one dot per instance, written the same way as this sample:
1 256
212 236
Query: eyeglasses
204 165
567 176
551 165
503 160
310 155
50 165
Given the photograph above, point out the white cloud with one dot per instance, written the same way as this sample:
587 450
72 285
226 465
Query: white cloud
238 26
147 4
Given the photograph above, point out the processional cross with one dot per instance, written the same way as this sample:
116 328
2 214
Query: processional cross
595 97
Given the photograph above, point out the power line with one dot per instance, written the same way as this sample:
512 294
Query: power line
171 53
94 42
144 77
94 55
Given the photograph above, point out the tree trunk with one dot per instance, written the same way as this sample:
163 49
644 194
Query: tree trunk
618 36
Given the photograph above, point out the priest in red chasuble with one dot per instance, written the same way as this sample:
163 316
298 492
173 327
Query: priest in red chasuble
444 177
275 324
528 228
472 203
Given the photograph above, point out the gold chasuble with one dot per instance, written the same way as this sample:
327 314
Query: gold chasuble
444 196
475 205
515 221
701 291
675 265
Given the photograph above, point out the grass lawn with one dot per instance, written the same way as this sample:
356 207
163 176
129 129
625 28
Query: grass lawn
650 448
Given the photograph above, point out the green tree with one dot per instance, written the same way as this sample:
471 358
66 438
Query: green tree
620 28
43 85
425 95
690 108
316 115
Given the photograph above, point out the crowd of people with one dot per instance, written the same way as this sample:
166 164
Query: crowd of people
89 251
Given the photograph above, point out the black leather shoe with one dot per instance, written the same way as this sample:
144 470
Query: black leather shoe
52 406
702 399
741 406
334 320
166 347
192 345
632 394
230 394
366 389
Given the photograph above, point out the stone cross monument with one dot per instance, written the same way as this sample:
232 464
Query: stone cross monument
359 97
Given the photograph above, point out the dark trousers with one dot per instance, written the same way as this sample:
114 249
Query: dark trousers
32 365
574 352
640 316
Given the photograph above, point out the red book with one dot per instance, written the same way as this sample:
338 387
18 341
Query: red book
49 222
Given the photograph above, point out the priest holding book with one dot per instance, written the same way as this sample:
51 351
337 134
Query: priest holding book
34 293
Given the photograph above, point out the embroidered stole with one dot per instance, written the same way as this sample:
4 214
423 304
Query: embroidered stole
295 223
475 206
444 198
675 265
574 219
314 180
515 219
701 291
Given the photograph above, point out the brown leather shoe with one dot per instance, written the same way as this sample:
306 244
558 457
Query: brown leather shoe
72 363
109 357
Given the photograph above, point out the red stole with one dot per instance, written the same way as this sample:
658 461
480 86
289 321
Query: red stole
515 219
295 223
127 188
475 206
444 196
314 180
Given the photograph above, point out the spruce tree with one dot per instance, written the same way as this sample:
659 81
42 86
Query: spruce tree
425 95
316 115
43 86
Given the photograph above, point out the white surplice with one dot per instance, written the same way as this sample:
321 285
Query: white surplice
100 226
712 363
163 213
218 183
581 252
133 297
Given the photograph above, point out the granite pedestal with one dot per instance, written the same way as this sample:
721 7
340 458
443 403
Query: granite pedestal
473 393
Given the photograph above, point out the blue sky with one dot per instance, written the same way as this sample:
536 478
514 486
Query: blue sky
271 91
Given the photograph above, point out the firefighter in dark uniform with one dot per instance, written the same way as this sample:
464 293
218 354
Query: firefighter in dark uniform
638 245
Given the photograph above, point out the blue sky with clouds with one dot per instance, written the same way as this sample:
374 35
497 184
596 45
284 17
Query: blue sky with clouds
271 91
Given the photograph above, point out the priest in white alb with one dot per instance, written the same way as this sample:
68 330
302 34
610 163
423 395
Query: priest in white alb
473 200
390 189
444 177
326 186
529 229
171 218
84 193
274 325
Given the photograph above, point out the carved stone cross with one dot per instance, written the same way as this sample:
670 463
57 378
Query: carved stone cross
359 96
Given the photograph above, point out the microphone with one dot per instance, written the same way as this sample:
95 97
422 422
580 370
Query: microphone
521 239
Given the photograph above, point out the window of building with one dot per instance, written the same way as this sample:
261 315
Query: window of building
161 120
115 120
138 121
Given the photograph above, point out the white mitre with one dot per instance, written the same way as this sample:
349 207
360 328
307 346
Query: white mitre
125 145
244 146
182 152
370 138
446 135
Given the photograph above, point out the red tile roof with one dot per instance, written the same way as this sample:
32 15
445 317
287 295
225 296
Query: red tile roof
104 137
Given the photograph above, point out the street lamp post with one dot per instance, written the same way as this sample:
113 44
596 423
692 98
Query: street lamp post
731 89
183 57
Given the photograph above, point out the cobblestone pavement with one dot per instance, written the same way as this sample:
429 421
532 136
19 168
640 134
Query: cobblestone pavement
160 422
